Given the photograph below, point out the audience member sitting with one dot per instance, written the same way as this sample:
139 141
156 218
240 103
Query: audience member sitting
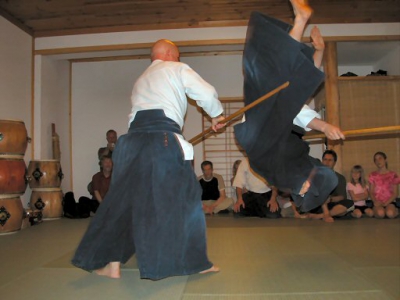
213 197
287 206
234 171
337 205
258 200
383 188
358 192
99 185
111 137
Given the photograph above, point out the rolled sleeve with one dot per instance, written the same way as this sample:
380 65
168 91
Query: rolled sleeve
305 116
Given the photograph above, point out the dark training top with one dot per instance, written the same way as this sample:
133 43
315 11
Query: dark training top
210 189
273 145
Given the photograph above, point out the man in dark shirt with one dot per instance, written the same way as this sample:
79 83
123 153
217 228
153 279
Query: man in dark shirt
337 204
213 197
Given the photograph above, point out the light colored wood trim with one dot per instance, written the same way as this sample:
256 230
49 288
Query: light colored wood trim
218 42
137 57
369 78
17 23
136 46
224 150
70 126
145 27
32 133
231 99
361 38
332 96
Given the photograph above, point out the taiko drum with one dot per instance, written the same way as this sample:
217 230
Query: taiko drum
49 201
44 174
13 137
12 175
11 213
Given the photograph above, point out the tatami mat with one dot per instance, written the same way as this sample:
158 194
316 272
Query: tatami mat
68 284
283 259
388 278
368 295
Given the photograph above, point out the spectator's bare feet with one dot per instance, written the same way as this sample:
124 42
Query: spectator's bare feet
301 10
111 270
212 269
328 219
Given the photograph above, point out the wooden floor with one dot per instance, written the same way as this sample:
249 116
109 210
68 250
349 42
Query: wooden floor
282 259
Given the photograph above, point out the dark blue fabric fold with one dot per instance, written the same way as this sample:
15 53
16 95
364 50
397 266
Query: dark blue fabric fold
271 57
153 206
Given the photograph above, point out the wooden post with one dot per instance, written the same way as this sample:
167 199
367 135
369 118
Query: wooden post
332 96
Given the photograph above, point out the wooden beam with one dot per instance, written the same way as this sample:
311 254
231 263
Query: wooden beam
217 42
332 96
136 46
137 57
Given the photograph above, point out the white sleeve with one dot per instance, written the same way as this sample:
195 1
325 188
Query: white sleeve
200 90
305 116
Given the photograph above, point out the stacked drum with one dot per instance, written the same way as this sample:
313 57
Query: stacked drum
13 143
44 178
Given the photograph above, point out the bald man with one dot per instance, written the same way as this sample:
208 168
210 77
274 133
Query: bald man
153 207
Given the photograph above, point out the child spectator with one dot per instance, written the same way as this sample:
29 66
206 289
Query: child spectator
383 188
357 189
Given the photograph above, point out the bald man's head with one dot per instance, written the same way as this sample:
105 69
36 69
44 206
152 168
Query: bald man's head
164 50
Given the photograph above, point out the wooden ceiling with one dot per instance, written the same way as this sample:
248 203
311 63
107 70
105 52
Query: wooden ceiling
62 17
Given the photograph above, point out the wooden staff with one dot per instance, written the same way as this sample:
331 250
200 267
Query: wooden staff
198 138
56 142
359 132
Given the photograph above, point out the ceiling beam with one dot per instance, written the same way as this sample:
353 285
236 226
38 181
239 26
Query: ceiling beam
16 22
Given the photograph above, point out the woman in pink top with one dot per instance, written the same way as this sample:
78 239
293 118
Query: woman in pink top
383 188
357 189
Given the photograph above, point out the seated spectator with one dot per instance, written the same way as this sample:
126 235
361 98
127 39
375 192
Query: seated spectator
99 185
337 204
234 171
358 192
383 188
287 206
213 197
255 197
111 137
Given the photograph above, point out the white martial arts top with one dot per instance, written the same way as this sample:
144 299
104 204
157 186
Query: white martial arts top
164 85
245 178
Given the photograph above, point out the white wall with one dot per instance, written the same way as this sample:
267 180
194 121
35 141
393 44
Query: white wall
15 79
101 101
359 70
390 63
54 108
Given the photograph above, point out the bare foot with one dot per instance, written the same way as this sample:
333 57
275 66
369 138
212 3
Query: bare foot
212 269
301 10
317 39
304 188
111 270
328 219
315 216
